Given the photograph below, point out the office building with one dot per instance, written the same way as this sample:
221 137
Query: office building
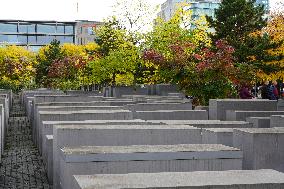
35 34
198 7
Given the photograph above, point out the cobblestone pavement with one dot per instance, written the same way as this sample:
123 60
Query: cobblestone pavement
21 164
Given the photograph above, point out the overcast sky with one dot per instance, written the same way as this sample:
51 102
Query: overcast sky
62 9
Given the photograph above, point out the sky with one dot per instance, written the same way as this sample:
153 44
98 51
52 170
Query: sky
63 10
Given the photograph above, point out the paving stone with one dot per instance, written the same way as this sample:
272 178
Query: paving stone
21 166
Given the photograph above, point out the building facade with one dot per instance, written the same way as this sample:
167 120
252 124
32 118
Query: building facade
35 34
198 7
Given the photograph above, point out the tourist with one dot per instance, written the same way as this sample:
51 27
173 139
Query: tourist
273 91
244 93
264 90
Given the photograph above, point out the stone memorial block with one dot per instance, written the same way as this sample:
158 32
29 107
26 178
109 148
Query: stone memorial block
120 135
263 147
86 160
207 123
232 179
79 116
47 128
218 107
171 115
239 115
277 121
218 136
159 106
280 105
259 122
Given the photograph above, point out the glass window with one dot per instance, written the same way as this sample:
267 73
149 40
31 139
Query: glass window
60 38
22 39
12 39
90 31
46 28
60 29
23 28
34 48
8 28
44 40
3 38
68 39
69 30
31 28
32 39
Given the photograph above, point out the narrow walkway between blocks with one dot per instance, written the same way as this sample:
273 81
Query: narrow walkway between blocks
21 164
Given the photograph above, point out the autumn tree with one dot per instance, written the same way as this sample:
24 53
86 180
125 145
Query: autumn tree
275 29
46 56
17 68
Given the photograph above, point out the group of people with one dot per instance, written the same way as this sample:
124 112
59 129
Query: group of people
268 90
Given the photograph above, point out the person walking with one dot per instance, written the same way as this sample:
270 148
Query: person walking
244 93
273 91
264 90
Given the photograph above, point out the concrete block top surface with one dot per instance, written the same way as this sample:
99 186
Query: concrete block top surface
276 130
164 111
85 112
125 127
262 118
220 130
179 179
198 122
93 121
147 148
149 153
49 137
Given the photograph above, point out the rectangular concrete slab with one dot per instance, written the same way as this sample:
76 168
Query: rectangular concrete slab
259 122
218 107
263 147
239 115
218 136
241 179
79 116
277 121
120 135
159 106
138 159
47 128
207 123
171 115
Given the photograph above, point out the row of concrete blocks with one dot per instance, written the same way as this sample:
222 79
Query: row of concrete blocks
267 122
133 167
73 150
5 106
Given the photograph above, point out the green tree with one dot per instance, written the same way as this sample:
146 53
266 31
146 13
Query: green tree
46 56
236 21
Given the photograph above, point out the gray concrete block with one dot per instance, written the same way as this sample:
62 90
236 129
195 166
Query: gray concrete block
218 136
207 123
263 147
171 115
47 126
239 115
49 157
145 159
277 121
159 106
232 179
78 116
280 105
259 122
120 135
218 107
